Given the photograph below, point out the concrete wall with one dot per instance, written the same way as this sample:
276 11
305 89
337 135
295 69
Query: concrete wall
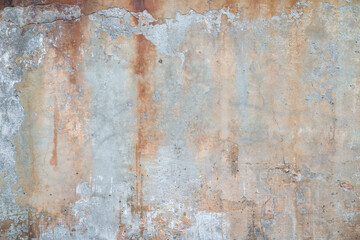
192 119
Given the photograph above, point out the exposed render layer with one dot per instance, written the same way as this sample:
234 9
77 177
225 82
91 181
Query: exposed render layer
234 120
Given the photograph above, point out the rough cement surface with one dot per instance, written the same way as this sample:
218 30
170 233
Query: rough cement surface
224 120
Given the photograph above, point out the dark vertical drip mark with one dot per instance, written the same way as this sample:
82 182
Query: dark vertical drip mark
234 160
6 3
141 5
143 87
54 160
70 51
147 137
138 5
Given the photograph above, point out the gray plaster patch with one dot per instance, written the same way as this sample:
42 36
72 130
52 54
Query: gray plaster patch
41 14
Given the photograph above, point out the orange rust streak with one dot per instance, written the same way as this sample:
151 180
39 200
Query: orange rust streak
65 129
145 146
141 5
140 70
54 160
138 5
70 50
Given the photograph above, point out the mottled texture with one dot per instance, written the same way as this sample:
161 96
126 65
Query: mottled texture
155 119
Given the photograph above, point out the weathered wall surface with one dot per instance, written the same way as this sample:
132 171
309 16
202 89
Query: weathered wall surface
154 119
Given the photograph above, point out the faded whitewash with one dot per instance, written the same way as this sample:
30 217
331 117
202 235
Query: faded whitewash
180 120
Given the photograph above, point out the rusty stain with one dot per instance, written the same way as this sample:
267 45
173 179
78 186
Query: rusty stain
69 166
145 57
53 160
234 159
145 146
147 137
69 49
6 3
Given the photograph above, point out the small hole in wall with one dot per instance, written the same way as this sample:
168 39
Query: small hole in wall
160 61
77 173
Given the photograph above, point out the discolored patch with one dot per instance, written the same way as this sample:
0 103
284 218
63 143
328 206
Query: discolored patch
53 160
148 134
234 159
53 147
6 3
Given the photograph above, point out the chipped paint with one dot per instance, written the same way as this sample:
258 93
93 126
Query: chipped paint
179 119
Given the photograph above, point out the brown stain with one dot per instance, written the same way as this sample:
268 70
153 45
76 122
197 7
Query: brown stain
37 221
234 159
141 5
34 228
34 221
5 226
290 3
6 3
232 4
267 8
54 160
253 9
70 116
26 166
54 132
147 137
69 49
147 113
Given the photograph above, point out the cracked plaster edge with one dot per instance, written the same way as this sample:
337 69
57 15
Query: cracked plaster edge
22 17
